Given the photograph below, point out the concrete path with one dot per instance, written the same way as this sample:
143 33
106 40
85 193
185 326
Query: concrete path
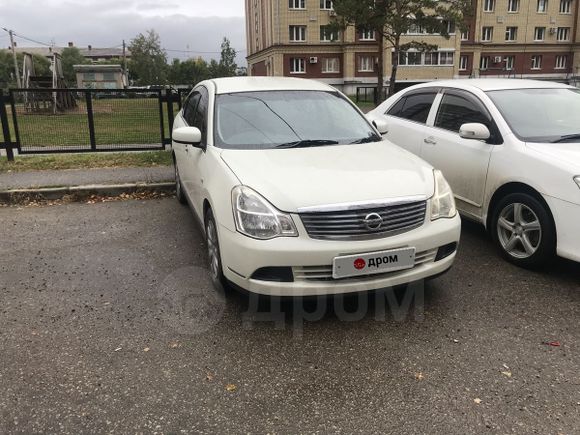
82 177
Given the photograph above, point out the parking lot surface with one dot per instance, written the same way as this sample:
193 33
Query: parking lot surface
108 324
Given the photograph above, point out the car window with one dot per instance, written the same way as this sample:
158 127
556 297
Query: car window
200 120
190 107
277 119
456 110
414 107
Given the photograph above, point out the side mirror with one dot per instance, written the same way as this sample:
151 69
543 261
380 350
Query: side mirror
187 136
382 125
474 131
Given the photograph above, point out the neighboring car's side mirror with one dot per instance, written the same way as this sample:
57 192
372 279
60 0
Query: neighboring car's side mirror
474 131
187 136
381 125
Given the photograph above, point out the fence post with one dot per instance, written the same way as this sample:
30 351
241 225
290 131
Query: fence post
91 119
5 127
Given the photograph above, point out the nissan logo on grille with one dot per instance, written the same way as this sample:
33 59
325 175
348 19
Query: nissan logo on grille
373 221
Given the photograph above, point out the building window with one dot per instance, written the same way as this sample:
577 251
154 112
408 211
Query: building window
561 62
513 5
463 63
511 33
539 34
465 34
537 62
89 76
331 65
542 6
417 58
484 63
326 5
297 33
297 4
451 27
297 65
488 5
563 34
565 6
487 34
366 64
109 76
367 35
509 62
415 29
327 35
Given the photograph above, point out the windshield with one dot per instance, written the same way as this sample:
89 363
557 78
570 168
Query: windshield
541 115
288 119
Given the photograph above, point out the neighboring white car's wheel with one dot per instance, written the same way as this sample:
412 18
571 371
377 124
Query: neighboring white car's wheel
213 252
178 187
524 230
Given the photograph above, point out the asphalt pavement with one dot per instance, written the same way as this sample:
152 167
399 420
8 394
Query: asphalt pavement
108 324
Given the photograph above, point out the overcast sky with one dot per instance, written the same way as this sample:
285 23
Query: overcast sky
197 26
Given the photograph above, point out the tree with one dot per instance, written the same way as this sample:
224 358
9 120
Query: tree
391 19
227 63
70 57
148 63
189 72
7 73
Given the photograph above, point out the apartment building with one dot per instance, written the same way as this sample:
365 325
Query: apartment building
522 38
506 38
291 38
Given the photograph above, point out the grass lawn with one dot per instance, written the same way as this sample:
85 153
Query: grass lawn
87 161
117 122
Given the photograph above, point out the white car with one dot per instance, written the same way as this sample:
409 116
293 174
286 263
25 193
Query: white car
299 195
510 150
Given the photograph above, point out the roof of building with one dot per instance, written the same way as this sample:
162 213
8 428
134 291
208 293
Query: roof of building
98 68
232 85
495 84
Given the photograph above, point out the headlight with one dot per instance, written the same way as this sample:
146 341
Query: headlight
443 202
577 180
255 217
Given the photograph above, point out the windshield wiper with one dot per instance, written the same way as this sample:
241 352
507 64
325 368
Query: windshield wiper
567 138
307 143
367 139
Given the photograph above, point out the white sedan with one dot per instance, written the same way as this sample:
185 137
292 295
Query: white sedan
511 152
298 194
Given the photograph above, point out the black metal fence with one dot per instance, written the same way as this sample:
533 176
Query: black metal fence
38 121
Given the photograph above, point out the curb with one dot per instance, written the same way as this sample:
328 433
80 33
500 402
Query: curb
16 196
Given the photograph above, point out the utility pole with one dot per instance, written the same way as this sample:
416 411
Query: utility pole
125 63
16 71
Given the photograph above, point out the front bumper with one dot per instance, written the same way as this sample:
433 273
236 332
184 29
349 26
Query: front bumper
566 216
311 260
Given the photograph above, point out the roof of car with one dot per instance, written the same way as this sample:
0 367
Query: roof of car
495 84
232 85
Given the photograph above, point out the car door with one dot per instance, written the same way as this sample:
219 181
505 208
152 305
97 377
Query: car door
464 162
182 151
407 119
195 156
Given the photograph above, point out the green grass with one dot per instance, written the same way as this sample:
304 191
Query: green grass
117 122
87 161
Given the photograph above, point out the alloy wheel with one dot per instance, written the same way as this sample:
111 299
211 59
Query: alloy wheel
213 250
519 230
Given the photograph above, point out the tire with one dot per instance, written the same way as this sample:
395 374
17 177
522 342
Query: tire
218 279
524 231
179 187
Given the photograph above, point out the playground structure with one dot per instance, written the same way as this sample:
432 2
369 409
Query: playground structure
52 95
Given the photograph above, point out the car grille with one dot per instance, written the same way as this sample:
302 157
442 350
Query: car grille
350 224
324 273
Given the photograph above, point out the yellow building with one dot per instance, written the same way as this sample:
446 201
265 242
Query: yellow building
289 38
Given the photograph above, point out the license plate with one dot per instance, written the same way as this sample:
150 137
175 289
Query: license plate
373 263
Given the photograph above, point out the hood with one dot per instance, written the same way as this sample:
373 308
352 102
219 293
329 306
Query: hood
306 177
567 153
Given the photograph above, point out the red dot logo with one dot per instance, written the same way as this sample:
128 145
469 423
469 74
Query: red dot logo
359 264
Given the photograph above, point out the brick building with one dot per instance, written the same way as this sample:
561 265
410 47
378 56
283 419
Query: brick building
289 38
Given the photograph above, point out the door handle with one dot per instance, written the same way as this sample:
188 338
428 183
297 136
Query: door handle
430 140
